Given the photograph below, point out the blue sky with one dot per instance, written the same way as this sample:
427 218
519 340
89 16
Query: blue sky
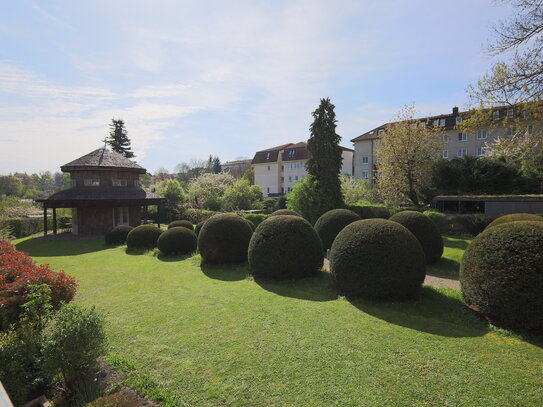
224 78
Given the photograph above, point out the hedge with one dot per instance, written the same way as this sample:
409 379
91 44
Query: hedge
255 218
370 212
22 227
196 216
513 217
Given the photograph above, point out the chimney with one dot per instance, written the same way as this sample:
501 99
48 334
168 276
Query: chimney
455 111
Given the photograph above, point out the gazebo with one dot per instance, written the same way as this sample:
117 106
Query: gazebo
104 193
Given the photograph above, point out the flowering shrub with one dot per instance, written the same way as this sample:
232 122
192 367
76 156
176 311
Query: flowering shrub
17 272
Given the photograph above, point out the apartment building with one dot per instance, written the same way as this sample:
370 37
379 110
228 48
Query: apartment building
278 169
455 143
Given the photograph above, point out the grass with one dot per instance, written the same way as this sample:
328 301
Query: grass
449 264
211 336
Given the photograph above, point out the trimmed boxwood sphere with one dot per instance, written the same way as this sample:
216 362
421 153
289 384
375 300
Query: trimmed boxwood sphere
285 247
199 227
502 274
177 240
513 217
224 239
377 259
143 237
251 224
118 234
181 223
331 223
425 230
285 212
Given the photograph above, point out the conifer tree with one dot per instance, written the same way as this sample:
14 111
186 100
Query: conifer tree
325 162
118 138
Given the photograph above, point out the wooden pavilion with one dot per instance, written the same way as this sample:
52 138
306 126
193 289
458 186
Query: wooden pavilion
104 193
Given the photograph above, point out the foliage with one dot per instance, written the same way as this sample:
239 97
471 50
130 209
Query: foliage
285 212
118 138
181 223
199 227
270 205
325 162
75 339
424 230
206 191
502 274
5 229
370 211
118 235
22 227
472 224
115 400
10 185
175 197
255 218
224 239
18 273
355 190
241 195
282 204
513 217
177 240
440 220
377 259
196 216
478 175
143 237
331 223
249 175
308 200
406 153
285 247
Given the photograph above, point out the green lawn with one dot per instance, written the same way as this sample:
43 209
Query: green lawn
449 264
213 337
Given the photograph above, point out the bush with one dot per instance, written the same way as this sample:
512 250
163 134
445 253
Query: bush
177 240
472 224
118 235
502 274
143 237
181 223
331 223
196 216
75 339
377 259
18 273
224 239
256 218
285 247
198 228
515 217
424 230
370 212
270 205
308 200
241 195
22 227
440 220
251 224
285 212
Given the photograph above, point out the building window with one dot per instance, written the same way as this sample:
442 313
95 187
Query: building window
296 178
509 112
530 129
365 174
481 135
290 178
509 131
291 153
458 120
136 183
445 138
441 122
282 190
282 168
282 179
462 136
481 150
120 216
119 182
461 152
269 168
365 160
495 115
380 132
91 182
445 154
288 189
267 156
268 190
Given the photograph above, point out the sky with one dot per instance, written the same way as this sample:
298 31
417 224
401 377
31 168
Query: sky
194 78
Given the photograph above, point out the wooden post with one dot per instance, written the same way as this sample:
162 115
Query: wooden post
54 220
158 215
44 220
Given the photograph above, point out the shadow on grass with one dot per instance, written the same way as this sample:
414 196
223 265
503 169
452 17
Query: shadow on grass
226 272
38 247
444 268
318 288
137 252
173 257
456 242
432 312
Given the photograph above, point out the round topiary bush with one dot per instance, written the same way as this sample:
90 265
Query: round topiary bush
251 224
199 227
425 230
513 217
118 234
285 247
224 239
143 237
285 212
177 240
502 274
331 223
181 223
377 259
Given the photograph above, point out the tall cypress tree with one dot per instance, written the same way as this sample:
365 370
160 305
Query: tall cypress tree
325 162
118 138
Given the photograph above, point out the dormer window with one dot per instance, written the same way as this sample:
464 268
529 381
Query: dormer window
119 182
380 132
291 153
441 122
510 113
495 115
267 156
91 182
458 120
